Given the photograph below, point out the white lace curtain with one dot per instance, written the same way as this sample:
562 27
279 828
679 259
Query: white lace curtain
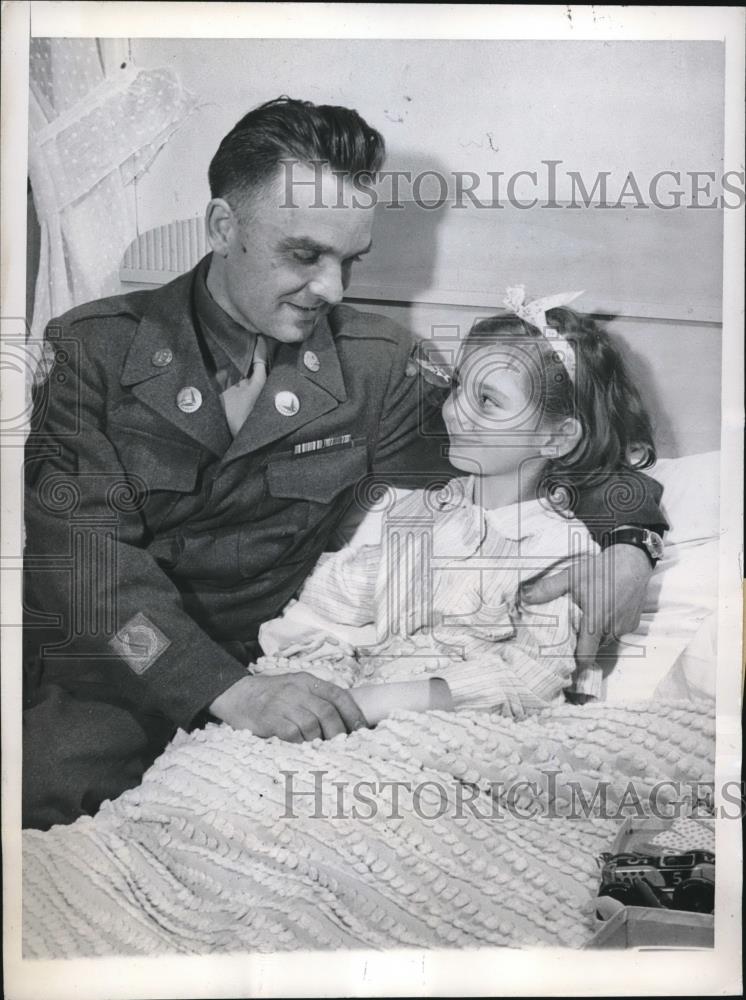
95 124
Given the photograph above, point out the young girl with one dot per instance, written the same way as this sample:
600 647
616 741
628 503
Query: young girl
541 405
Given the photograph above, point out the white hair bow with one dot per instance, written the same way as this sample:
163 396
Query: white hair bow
535 312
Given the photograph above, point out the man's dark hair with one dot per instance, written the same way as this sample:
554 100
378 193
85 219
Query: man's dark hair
285 128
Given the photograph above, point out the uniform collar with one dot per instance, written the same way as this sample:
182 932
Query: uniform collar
168 325
318 391
230 344
165 357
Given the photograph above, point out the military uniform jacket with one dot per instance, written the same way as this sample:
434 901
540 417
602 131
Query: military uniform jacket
156 542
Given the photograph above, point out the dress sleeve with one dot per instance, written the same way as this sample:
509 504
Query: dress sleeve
509 681
588 681
527 672
342 586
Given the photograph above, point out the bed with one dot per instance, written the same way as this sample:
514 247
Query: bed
236 844
232 843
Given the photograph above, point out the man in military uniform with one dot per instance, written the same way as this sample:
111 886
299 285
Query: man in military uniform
193 451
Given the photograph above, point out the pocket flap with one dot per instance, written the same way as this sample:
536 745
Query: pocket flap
162 463
318 476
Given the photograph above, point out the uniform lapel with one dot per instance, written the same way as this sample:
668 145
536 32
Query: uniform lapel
318 392
168 328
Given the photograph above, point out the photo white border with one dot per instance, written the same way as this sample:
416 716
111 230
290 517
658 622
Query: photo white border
414 973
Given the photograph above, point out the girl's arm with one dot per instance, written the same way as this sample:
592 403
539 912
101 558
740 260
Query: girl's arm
510 680
377 701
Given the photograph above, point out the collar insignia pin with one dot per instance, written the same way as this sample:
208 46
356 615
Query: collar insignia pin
311 361
189 399
287 403
162 358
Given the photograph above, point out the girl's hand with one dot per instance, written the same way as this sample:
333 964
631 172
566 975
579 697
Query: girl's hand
319 646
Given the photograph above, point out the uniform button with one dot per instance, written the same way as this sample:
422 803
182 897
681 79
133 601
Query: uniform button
287 403
189 399
311 361
162 358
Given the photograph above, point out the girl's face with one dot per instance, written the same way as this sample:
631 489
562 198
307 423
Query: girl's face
493 415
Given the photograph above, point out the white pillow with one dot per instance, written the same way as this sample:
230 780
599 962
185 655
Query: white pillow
681 597
691 495
673 638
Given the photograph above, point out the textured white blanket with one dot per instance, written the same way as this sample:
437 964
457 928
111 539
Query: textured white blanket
219 851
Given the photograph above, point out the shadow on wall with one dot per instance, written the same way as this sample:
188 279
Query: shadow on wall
415 240
664 429
644 376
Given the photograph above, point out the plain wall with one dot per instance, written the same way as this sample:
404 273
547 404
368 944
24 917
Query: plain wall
461 105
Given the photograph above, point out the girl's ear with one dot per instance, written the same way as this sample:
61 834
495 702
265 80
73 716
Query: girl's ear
564 437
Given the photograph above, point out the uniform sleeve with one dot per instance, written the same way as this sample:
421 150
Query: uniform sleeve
412 444
625 497
87 562
342 586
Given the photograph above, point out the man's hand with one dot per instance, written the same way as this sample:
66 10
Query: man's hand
295 707
609 589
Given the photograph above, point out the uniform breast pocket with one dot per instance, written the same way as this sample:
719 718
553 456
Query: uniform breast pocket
163 469
317 477
289 526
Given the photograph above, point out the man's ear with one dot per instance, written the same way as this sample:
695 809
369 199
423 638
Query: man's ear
222 226
563 438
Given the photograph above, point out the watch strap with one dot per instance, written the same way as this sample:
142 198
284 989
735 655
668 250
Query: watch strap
642 538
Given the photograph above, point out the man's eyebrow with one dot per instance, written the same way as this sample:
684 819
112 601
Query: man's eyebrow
309 245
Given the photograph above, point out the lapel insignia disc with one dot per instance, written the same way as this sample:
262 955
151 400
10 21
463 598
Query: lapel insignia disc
189 399
287 403
162 358
311 361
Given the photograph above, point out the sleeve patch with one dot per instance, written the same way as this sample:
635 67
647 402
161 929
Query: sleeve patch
139 642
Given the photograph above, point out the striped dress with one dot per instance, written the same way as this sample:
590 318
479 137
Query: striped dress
438 596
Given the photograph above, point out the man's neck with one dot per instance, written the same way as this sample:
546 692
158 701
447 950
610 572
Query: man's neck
215 282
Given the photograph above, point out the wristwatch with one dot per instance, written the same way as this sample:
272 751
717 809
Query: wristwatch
649 541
